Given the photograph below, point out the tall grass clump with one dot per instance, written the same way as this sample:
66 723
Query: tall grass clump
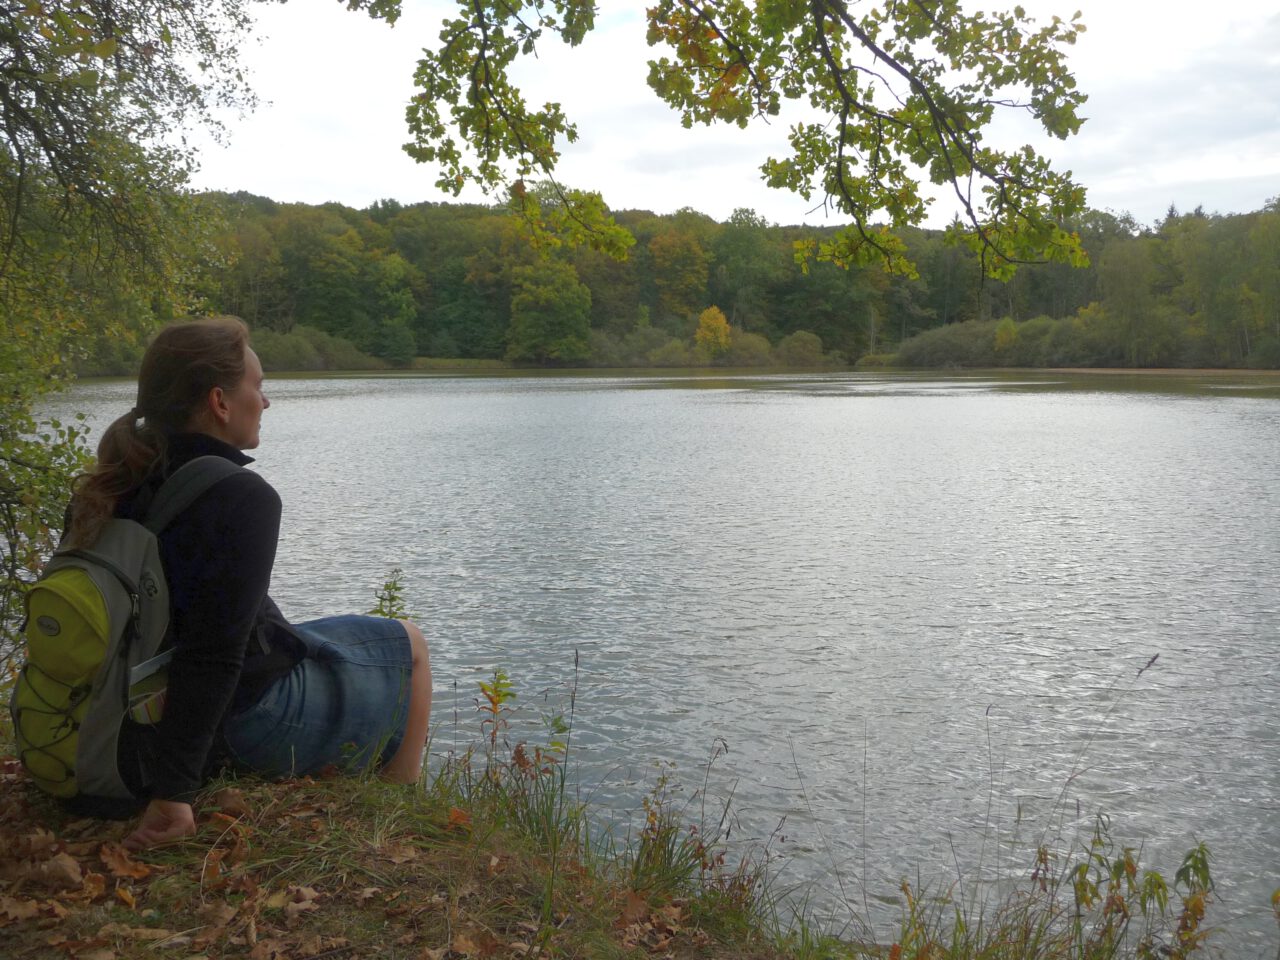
1096 904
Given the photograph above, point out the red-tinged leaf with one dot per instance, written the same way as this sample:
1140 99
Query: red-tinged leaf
459 819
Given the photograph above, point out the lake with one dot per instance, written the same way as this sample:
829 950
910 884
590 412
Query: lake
906 615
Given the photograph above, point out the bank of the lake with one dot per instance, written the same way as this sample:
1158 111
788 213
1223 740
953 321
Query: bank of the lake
493 856
916 609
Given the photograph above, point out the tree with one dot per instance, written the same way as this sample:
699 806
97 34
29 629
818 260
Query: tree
97 238
902 92
680 267
800 349
550 315
712 336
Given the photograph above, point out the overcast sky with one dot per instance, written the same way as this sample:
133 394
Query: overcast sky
1184 108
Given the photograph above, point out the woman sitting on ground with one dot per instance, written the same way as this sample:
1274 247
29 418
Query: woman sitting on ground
245 687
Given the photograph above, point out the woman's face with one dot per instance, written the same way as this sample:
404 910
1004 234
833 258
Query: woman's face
245 403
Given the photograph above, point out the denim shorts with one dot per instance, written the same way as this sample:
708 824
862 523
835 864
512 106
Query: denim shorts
345 704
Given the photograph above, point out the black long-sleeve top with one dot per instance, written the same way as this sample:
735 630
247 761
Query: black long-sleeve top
229 639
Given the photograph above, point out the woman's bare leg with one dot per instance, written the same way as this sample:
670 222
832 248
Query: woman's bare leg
405 766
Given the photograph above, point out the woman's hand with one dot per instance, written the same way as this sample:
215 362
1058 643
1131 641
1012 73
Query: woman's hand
162 822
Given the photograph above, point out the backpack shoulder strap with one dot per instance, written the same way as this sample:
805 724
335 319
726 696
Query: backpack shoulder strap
181 489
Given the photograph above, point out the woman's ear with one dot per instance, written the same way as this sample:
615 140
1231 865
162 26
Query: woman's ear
218 407
211 415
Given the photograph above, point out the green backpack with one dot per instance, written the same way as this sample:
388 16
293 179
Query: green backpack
95 628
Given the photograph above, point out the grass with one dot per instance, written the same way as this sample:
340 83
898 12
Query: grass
491 855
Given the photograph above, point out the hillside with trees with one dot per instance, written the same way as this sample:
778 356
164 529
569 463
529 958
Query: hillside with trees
456 281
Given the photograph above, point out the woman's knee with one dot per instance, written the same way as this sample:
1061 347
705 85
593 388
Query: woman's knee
417 643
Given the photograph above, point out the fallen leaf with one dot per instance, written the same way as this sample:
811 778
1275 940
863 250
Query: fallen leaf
269 950
368 893
231 801
292 911
399 852
125 896
459 819
671 912
18 909
61 871
217 913
438 953
94 886
121 931
476 943
495 866
636 908
308 946
38 842
117 860
276 900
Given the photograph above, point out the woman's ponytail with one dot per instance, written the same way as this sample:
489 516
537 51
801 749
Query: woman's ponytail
182 365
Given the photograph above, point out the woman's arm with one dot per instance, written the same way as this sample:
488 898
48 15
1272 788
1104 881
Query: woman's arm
218 558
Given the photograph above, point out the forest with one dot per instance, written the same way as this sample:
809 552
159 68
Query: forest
333 287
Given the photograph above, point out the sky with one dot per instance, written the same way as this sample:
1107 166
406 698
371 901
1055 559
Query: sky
1183 109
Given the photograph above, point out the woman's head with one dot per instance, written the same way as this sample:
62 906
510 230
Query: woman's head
199 376
184 365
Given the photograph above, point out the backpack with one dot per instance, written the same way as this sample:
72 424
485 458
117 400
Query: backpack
95 628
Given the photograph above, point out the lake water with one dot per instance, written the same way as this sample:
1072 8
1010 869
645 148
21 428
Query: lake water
913 609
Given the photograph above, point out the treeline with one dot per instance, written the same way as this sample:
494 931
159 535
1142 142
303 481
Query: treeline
330 287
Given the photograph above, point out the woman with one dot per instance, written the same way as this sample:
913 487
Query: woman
244 686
